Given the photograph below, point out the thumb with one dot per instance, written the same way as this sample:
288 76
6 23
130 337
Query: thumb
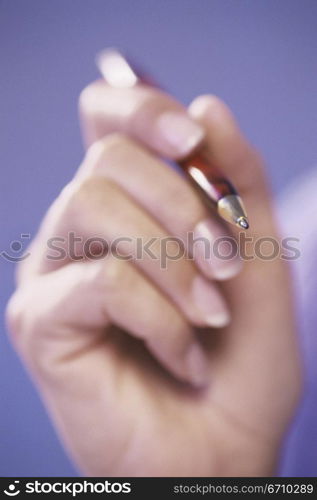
263 280
258 369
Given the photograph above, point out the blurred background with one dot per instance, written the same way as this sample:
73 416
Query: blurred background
259 56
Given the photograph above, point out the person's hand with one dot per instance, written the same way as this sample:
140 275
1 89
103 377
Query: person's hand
188 370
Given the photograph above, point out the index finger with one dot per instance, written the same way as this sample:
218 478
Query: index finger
148 115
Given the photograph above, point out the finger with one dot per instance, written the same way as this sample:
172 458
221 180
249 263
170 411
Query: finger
82 299
146 114
96 210
164 194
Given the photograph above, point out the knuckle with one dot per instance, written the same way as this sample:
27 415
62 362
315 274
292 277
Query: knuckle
35 331
112 144
82 197
111 276
87 96
106 152
23 322
14 316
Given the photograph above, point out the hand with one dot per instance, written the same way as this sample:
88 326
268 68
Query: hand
190 370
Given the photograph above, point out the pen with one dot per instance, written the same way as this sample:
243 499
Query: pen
216 190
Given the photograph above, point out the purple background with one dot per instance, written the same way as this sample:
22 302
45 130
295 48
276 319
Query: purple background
259 56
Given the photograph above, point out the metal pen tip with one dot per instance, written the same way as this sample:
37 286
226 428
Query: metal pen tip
243 222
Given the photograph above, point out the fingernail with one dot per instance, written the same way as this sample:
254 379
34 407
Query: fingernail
209 303
196 363
215 251
180 131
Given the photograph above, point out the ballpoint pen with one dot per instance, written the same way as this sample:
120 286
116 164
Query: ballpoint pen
205 176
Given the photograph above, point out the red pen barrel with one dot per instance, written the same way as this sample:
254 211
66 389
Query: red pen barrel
206 177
